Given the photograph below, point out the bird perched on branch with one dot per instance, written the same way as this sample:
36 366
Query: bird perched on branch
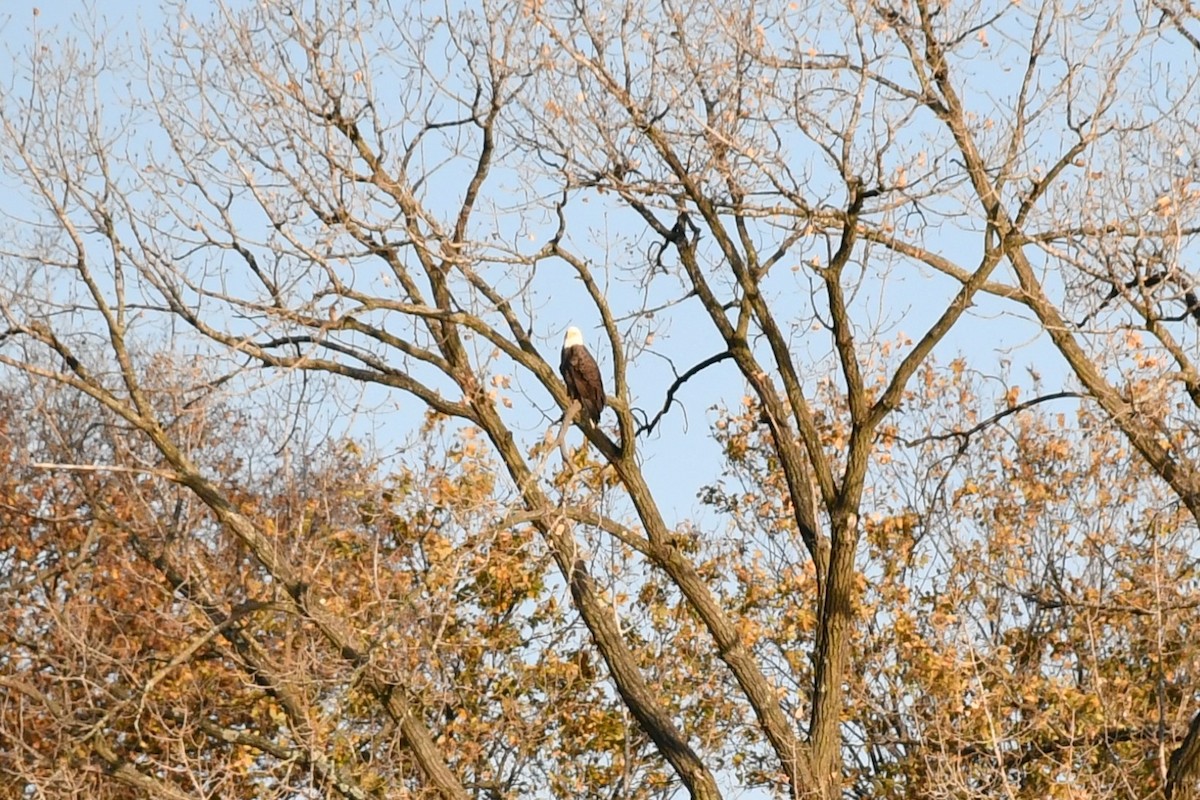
582 376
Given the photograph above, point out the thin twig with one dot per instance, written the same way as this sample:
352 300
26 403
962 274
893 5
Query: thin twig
158 473
568 418
967 434
675 386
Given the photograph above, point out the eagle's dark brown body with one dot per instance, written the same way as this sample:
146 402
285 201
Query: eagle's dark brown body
582 376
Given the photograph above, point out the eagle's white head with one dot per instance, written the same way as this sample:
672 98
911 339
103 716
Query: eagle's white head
573 337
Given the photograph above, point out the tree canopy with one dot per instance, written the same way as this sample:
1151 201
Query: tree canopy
897 491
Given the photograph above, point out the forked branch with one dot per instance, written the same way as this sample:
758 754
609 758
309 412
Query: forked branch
680 380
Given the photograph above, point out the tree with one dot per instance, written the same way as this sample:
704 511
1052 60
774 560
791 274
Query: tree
904 579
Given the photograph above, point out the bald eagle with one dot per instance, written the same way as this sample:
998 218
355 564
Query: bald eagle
582 376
